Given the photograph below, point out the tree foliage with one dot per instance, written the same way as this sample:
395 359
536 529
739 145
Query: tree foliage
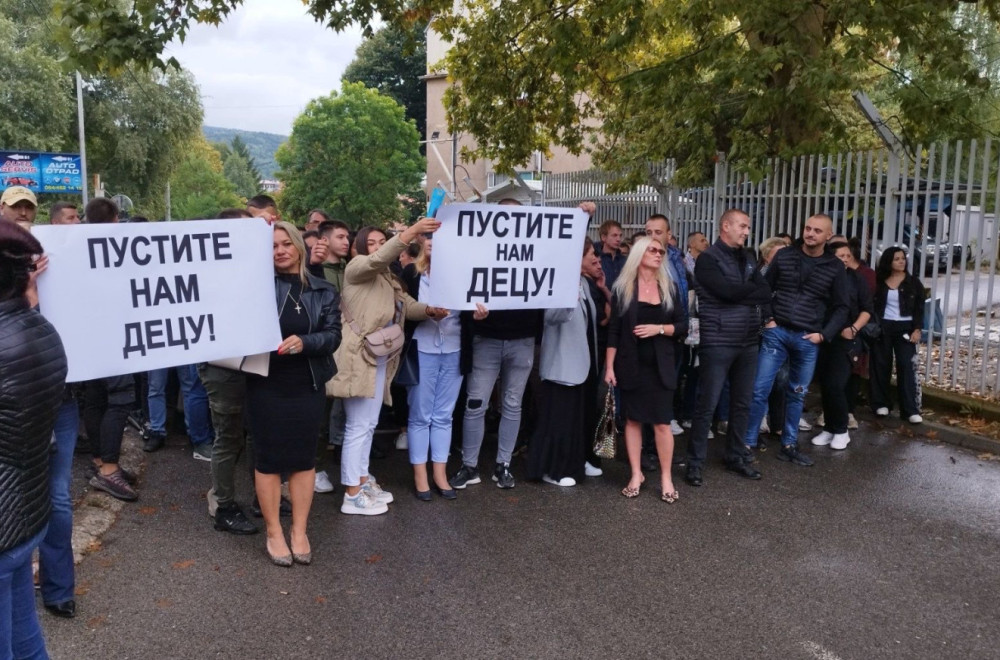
237 170
198 188
137 123
353 154
393 61
640 80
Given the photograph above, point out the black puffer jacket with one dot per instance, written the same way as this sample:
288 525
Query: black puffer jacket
32 379
731 291
811 294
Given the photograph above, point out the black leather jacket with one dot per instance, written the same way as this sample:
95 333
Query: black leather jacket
32 380
322 303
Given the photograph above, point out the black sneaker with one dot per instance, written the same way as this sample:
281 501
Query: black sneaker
91 471
230 518
791 454
649 462
115 485
466 476
153 441
502 476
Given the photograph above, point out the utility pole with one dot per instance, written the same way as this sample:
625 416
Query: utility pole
83 138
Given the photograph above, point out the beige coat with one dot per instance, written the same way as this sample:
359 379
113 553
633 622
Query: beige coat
370 293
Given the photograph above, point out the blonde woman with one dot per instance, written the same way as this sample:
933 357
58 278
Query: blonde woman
641 354
285 408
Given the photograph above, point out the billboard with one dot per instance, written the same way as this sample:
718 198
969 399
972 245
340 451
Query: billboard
41 172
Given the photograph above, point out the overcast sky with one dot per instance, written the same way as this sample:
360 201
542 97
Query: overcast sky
260 67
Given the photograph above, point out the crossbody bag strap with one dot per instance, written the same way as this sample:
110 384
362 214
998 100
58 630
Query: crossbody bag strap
350 319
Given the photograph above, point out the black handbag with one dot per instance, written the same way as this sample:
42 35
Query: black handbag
409 367
872 332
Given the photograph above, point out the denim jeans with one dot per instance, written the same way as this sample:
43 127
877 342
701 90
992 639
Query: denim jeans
20 633
196 411
510 360
432 401
719 365
777 345
55 553
362 418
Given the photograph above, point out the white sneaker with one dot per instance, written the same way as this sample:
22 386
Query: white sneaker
823 439
213 502
565 481
362 505
821 420
882 412
764 428
676 428
323 484
592 471
375 491
915 419
686 424
840 441
804 425
401 441
723 427
710 434
852 424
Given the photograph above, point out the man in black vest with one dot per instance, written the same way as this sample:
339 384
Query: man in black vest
810 306
731 292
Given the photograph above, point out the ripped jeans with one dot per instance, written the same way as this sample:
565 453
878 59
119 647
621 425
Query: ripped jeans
510 360
777 345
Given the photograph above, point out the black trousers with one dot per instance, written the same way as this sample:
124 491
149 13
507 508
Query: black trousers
107 403
738 365
893 345
834 368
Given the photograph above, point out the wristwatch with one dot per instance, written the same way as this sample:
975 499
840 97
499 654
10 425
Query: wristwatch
661 329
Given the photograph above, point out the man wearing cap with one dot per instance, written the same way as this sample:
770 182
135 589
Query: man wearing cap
18 204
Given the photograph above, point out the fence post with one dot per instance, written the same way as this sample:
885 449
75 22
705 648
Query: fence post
721 172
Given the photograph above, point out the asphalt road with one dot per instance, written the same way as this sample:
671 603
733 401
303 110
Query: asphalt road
890 549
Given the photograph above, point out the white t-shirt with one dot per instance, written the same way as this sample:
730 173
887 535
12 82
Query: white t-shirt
892 307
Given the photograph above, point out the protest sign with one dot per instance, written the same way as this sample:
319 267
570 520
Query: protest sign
127 298
507 257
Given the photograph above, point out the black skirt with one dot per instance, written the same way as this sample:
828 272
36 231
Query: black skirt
559 445
649 402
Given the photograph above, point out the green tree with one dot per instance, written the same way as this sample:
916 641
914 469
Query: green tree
198 188
639 81
393 61
353 154
240 147
36 95
237 171
138 125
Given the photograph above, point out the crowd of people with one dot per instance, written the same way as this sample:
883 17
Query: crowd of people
718 338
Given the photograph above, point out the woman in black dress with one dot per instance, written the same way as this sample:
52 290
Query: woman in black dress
645 318
286 408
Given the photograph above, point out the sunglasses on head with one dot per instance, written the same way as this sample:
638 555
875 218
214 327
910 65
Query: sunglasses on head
652 249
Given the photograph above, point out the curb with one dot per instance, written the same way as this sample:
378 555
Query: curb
940 400
936 432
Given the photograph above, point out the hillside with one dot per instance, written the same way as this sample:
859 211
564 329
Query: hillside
261 145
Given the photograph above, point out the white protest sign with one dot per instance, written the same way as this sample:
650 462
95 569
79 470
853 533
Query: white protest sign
507 257
127 298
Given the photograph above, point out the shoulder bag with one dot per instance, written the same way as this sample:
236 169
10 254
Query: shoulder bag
383 342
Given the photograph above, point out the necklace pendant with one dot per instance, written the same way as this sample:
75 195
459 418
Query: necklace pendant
298 308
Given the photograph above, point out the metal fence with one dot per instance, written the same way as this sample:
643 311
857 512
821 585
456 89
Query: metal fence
940 203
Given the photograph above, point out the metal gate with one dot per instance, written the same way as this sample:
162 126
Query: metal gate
940 203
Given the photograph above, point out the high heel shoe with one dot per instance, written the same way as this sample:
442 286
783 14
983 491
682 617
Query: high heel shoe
423 495
670 497
305 558
278 560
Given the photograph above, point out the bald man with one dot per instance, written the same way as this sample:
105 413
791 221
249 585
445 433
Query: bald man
810 307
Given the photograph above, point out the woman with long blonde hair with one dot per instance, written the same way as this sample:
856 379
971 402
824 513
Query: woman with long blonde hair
646 319
285 408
